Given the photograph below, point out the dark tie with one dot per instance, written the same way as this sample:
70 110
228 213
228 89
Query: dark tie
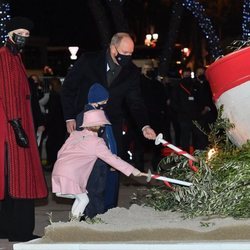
110 76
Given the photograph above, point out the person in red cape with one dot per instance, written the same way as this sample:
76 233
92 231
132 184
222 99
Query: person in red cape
21 176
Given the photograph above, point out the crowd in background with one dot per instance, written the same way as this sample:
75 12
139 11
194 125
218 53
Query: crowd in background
46 92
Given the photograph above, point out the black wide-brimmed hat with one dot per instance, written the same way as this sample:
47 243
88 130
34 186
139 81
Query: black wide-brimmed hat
19 23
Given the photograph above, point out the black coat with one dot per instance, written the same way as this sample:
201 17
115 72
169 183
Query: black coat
185 100
91 68
38 117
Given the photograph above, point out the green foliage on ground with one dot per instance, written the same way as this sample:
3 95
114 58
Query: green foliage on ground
221 186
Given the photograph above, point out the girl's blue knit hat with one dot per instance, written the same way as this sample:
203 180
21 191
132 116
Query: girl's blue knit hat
97 93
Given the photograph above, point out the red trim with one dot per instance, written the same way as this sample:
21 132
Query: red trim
185 89
165 182
181 152
228 72
192 166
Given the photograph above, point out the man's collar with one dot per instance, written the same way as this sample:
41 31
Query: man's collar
111 65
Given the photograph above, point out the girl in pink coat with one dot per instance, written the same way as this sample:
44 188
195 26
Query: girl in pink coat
76 159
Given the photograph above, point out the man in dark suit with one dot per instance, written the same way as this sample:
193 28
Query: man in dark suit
113 68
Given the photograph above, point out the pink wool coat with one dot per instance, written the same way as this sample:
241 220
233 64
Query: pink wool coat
76 159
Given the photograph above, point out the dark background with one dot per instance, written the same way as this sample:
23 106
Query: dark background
60 23
72 23
64 23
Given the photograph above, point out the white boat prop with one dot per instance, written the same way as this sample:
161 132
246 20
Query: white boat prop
229 78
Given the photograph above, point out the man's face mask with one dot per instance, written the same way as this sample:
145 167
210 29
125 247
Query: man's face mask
19 40
123 60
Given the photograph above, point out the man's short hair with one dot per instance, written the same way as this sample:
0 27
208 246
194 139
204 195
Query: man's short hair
116 39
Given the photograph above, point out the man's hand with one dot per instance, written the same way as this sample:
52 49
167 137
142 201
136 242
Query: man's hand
205 110
149 133
71 126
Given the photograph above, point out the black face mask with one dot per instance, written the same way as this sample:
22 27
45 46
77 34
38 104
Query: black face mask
20 41
101 131
123 60
101 106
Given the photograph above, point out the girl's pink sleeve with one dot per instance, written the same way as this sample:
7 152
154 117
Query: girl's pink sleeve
114 161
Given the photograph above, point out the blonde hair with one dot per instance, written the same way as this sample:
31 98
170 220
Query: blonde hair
93 129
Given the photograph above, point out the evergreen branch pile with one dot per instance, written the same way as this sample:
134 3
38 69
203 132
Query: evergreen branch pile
221 187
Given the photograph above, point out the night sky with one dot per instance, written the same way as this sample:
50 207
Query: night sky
64 22
72 23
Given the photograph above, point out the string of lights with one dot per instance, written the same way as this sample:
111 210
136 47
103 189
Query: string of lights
246 20
171 36
206 26
4 17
